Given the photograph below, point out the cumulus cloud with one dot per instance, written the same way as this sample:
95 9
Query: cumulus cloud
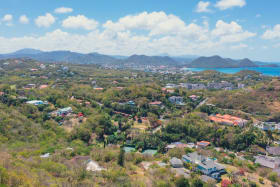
156 24
144 33
63 10
45 21
273 33
203 6
231 32
239 46
80 21
7 18
23 19
226 4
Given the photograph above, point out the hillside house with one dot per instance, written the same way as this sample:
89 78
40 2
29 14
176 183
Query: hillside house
176 163
274 151
62 112
202 144
228 120
204 164
37 102
155 103
194 97
269 162
176 100
30 86
266 126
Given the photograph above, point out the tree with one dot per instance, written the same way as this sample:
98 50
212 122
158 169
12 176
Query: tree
197 183
182 182
121 157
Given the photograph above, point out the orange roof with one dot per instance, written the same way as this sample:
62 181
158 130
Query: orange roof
98 88
43 86
226 119
155 103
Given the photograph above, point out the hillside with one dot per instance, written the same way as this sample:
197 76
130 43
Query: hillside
150 60
219 62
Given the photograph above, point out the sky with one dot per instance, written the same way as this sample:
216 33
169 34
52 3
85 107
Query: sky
229 28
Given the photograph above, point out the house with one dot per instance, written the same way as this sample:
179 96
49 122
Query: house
194 97
269 162
155 103
43 86
176 145
98 88
30 86
176 100
176 163
37 102
132 103
228 120
202 144
169 85
274 151
63 111
204 164
266 126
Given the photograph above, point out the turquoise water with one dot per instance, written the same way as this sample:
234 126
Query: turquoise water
271 71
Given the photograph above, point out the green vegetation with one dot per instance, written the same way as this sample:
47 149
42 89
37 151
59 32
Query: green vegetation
39 147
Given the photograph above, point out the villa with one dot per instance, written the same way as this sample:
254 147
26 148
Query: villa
37 102
204 164
228 120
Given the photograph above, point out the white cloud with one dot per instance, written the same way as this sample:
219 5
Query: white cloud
271 34
144 33
23 19
231 32
63 10
45 21
156 24
226 4
239 46
7 18
203 6
79 21
258 15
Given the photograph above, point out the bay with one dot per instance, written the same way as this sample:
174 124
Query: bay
270 71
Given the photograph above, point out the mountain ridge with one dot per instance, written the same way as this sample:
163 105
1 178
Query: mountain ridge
190 61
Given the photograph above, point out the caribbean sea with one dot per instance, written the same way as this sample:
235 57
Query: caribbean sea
271 71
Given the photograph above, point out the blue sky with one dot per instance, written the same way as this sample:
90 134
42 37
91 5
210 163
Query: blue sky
230 28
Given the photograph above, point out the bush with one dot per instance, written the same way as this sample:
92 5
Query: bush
273 177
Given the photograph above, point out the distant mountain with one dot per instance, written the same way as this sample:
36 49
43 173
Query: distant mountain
150 60
219 62
96 58
61 56
27 51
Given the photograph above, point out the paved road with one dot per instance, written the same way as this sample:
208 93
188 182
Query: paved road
201 103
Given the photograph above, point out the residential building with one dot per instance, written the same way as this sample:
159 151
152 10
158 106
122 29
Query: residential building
176 100
37 102
228 120
204 164
202 144
266 126
194 97
155 103
176 163
30 86
269 162
62 112
274 151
